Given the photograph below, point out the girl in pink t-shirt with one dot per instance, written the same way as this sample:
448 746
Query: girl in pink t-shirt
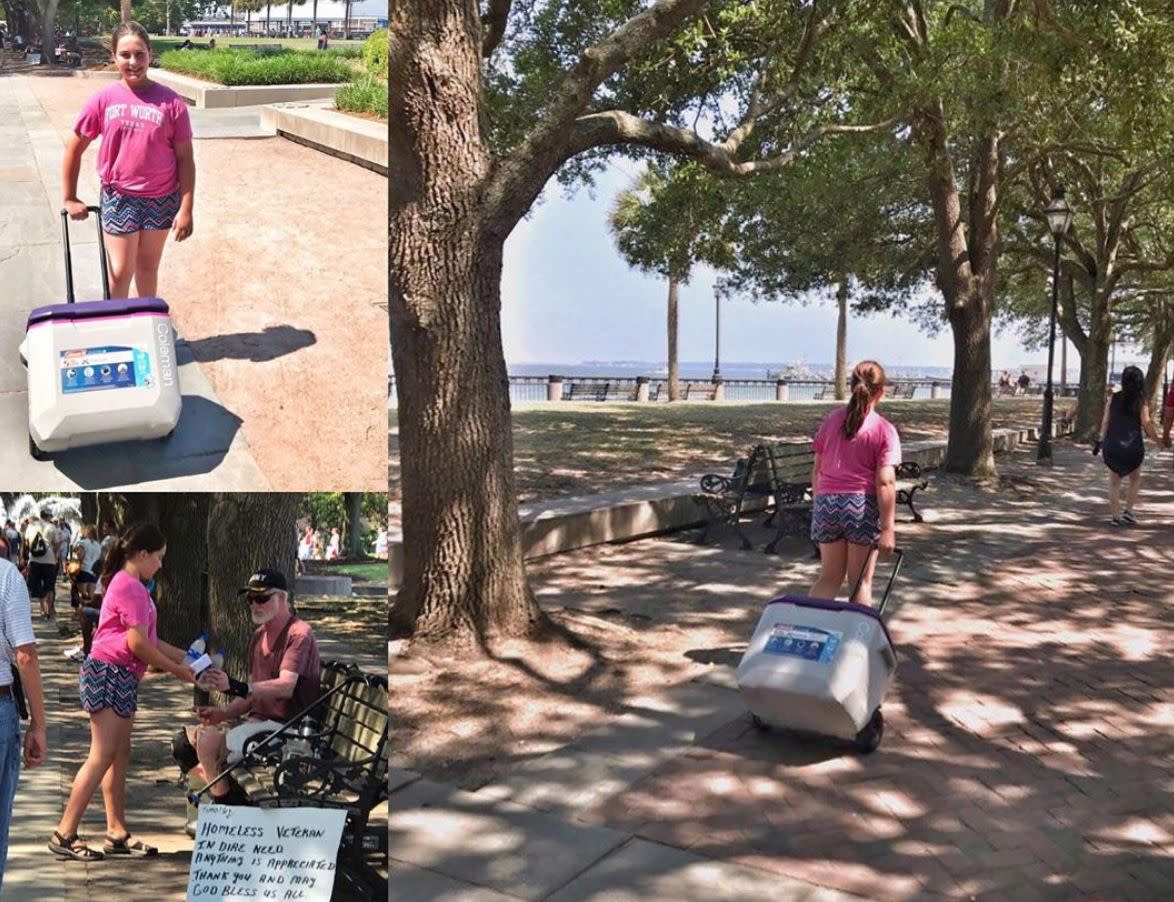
854 482
124 645
145 164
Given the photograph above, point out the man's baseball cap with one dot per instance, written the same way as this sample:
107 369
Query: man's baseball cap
264 581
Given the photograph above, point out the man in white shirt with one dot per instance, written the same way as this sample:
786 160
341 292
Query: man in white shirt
40 541
17 646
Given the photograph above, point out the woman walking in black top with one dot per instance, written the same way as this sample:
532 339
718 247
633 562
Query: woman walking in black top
1126 417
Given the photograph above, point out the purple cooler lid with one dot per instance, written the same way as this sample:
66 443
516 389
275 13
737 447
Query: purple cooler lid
94 309
825 604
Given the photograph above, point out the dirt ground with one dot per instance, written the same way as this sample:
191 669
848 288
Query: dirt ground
282 294
578 448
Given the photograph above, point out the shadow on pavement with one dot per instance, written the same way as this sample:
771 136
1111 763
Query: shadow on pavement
205 432
273 342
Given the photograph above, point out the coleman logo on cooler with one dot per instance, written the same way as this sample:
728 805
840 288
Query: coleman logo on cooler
166 370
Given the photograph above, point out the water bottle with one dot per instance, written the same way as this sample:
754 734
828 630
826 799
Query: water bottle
298 745
196 657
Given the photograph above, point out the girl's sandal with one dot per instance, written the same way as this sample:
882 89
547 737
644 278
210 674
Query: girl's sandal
73 847
126 846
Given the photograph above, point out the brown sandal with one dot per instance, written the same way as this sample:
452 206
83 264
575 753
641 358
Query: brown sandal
73 847
124 846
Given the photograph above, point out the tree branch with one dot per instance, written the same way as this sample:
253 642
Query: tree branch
517 181
759 105
619 127
493 21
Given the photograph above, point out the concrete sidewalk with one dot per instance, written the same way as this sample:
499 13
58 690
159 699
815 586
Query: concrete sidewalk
208 450
1028 753
280 294
155 803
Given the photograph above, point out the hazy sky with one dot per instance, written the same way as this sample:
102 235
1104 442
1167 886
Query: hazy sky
568 296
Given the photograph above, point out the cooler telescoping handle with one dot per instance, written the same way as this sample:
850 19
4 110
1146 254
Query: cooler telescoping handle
898 556
69 257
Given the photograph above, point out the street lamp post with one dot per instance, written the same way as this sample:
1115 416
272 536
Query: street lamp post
717 336
1059 216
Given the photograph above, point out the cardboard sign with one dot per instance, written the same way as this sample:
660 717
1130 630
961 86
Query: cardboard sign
255 853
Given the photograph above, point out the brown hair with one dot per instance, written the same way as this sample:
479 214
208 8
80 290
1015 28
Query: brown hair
143 537
126 28
868 380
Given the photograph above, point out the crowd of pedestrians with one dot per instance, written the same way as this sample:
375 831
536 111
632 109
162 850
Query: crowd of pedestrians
112 586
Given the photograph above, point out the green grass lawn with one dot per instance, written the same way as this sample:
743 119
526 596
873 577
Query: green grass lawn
367 571
159 43
576 448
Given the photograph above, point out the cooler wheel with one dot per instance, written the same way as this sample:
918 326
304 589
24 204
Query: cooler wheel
37 453
868 740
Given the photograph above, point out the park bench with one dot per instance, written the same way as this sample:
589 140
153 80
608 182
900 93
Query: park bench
826 390
781 471
619 391
346 729
703 391
902 390
585 391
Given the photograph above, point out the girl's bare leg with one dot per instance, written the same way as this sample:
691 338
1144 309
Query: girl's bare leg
122 256
833 559
861 560
108 731
151 242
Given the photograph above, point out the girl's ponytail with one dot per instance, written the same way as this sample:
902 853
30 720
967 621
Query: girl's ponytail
868 380
143 537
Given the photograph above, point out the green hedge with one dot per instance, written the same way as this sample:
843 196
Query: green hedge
243 67
367 95
375 53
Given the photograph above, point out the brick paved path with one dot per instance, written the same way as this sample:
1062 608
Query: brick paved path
1030 749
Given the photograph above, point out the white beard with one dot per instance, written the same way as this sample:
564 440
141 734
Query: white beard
260 618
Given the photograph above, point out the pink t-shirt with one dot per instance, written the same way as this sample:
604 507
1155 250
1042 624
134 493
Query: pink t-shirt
126 603
139 132
850 465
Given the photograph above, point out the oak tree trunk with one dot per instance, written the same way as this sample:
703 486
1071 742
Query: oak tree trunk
246 531
464 582
970 446
183 518
842 340
673 319
354 529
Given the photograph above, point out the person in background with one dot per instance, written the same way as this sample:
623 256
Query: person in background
40 538
1122 446
18 647
854 483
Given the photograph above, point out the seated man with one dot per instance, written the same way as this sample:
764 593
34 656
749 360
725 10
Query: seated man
284 678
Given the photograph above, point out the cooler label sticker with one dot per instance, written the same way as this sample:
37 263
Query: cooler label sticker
98 369
807 642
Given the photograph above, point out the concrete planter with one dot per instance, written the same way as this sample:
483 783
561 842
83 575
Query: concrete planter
209 95
362 141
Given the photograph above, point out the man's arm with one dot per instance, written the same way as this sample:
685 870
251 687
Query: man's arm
30 679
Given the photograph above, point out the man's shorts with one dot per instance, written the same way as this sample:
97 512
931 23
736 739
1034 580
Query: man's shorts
853 516
108 686
42 578
125 214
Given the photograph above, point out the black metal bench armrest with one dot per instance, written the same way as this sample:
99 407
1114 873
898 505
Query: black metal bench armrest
712 484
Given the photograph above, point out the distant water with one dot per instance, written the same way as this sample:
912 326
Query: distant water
693 369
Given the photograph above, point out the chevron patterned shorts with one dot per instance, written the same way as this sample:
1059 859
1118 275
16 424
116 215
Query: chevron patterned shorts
848 515
125 214
108 686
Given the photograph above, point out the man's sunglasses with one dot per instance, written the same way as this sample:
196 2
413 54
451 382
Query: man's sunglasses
258 597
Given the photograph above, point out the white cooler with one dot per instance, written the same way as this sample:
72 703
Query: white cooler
820 666
99 371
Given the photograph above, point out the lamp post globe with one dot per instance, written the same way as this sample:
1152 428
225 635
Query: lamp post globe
1059 216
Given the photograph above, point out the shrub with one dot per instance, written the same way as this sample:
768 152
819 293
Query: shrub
243 67
367 95
375 53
